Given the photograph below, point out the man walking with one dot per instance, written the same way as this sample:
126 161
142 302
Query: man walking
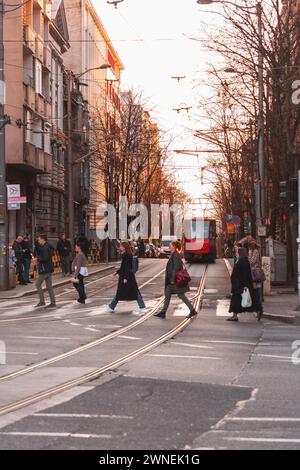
19 257
45 270
64 249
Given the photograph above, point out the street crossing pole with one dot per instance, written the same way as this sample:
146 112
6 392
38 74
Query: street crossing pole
3 196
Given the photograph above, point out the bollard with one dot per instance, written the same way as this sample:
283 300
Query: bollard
266 266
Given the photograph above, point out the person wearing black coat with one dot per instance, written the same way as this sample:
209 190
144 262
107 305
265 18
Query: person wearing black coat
173 266
27 258
64 249
241 277
45 270
127 286
19 257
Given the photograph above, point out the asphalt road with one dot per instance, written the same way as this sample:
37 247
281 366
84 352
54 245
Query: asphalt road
216 385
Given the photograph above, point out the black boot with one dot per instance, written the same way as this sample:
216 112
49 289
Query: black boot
160 315
192 314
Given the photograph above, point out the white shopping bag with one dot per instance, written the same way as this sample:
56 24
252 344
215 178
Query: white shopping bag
246 298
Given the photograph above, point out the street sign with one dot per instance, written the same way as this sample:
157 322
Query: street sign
262 231
14 198
17 200
13 190
13 206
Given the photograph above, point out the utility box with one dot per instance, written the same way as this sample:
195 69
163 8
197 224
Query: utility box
277 251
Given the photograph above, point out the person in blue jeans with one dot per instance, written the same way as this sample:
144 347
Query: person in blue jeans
127 286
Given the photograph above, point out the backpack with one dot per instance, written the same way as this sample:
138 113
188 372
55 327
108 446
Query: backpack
135 264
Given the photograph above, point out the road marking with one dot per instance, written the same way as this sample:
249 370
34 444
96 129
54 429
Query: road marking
272 356
211 291
181 312
266 420
184 357
134 338
223 308
190 345
57 434
23 353
92 329
263 439
78 415
74 324
228 342
40 337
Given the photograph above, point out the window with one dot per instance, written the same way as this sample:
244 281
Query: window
38 77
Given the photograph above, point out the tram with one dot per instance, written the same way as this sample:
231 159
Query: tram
199 239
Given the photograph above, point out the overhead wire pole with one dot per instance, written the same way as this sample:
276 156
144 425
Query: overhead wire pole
3 202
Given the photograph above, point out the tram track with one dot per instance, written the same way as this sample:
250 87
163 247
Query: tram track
14 406
51 316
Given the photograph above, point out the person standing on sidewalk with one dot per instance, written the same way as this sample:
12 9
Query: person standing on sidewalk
19 257
45 271
27 250
127 287
241 277
64 249
80 272
174 265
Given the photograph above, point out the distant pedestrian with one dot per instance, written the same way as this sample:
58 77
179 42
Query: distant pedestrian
257 277
84 243
64 249
174 265
27 250
19 259
45 271
127 286
80 272
241 278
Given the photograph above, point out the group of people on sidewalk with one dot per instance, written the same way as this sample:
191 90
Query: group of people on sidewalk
247 277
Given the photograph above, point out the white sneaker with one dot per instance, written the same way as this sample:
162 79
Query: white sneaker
108 309
140 311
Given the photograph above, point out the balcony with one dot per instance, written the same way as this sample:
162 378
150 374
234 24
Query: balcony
47 111
34 158
47 59
39 48
29 96
47 9
39 104
39 3
29 38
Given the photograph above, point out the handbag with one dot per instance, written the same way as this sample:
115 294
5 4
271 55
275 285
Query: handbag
75 280
182 277
258 275
84 272
246 298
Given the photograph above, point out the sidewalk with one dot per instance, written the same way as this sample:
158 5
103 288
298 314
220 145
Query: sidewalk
58 281
280 305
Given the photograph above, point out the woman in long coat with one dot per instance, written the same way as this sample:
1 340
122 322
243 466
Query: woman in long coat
173 266
127 286
241 277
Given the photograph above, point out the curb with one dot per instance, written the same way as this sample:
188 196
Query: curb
59 284
270 316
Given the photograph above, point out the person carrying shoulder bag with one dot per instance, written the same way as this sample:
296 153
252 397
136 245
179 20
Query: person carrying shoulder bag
80 272
176 281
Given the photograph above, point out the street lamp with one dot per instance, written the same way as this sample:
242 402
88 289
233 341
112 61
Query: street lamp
70 76
260 187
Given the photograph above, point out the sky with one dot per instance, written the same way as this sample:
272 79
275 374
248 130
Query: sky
152 40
